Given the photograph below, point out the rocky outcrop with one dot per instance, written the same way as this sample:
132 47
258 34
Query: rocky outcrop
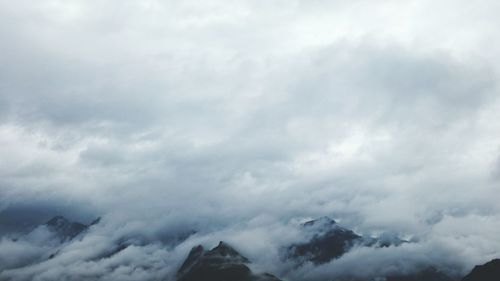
327 241
489 271
222 263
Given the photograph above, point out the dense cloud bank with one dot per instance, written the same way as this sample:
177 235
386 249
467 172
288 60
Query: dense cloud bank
236 121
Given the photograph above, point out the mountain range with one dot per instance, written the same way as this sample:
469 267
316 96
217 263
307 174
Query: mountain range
325 240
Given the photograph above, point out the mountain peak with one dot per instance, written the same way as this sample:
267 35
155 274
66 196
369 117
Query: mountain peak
322 221
224 250
222 246
194 255
326 241
65 229
222 263
57 221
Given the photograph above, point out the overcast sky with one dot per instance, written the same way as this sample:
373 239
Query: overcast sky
382 114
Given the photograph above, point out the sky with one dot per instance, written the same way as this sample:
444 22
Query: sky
240 118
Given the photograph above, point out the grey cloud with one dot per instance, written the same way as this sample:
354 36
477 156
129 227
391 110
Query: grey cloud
236 120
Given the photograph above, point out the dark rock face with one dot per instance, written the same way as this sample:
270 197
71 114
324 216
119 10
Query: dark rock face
329 241
489 271
192 258
222 263
65 229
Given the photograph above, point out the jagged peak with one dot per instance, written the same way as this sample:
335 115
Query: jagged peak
64 228
222 246
193 256
196 250
222 262
226 251
57 221
323 221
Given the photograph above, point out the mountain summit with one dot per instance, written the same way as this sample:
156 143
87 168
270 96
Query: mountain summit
327 241
65 229
222 263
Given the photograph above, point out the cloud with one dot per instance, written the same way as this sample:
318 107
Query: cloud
237 120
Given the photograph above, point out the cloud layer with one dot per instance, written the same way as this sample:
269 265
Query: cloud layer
237 120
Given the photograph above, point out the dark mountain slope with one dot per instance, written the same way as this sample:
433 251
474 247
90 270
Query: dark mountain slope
328 240
65 229
222 263
489 271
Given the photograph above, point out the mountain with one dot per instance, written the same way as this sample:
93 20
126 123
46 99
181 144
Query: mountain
327 240
489 271
65 229
324 240
222 263
42 243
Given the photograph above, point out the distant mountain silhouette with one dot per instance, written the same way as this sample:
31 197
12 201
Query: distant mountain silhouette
222 263
489 271
65 229
329 241
325 241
